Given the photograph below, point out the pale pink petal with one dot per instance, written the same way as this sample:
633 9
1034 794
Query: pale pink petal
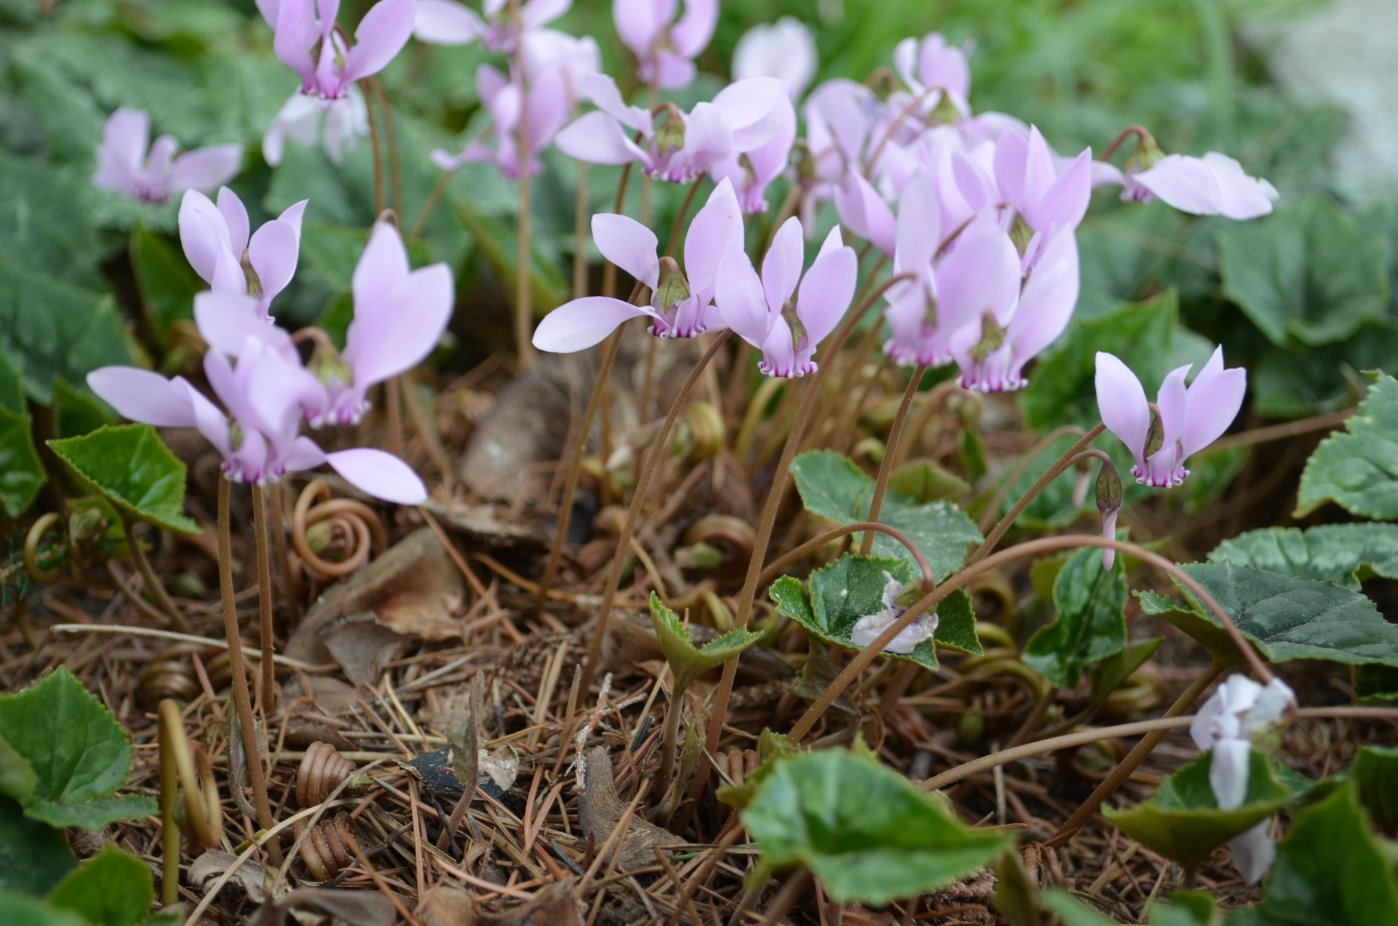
292 214
638 23
581 323
602 91
918 228
235 217
203 234
864 212
402 328
1240 196
205 168
781 267
379 474
596 138
785 50
272 253
1212 402
692 33
1174 406
738 295
671 71
827 289
1228 772
381 34
779 351
125 139
446 22
1066 201
628 244
979 274
536 13
707 138
143 396
1185 183
294 33
1047 301
1122 403
716 227
383 263
749 109
1253 852
228 321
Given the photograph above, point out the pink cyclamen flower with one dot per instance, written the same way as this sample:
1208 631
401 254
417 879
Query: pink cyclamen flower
762 311
128 163
784 49
1047 194
306 41
1212 185
684 146
447 22
543 107
681 305
1188 420
933 71
751 172
867 629
218 245
1239 712
337 123
665 49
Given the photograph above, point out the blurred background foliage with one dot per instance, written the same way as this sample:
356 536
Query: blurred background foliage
1304 297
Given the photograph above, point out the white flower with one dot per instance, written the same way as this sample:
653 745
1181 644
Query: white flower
868 628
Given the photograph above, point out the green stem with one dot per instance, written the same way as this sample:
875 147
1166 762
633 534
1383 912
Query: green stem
890 451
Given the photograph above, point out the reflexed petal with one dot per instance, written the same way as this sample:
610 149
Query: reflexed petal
1065 202
781 268
749 108
1048 299
1109 533
293 35
692 33
602 90
404 325
228 320
779 350
446 22
1173 405
536 13
383 263
1272 702
203 234
292 214
1228 772
707 138
299 120
212 422
380 474
638 23
1240 196
628 244
581 323
739 297
381 34
143 396
235 218
272 253
1253 852
1122 402
1212 402
716 227
918 232
205 168
597 138
827 290
785 50
1185 183
124 141
979 274
864 212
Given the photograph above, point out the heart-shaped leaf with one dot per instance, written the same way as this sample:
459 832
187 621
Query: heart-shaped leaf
111 889
33 857
1335 553
1091 623
1357 469
687 660
133 469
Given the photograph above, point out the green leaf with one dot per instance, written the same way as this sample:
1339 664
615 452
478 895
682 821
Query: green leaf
30 911
1306 274
78 751
33 857
1287 618
1186 908
771 748
11 390
50 328
1330 868
92 814
21 471
1091 623
865 831
166 281
1287 383
1117 669
687 660
1061 389
852 588
1375 772
831 486
77 411
924 481
111 889
1358 468
17 778
42 223
1070 910
1376 684
1183 822
134 470
1334 553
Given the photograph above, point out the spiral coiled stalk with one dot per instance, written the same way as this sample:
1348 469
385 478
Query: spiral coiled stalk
329 847
171 674
334 536
322 770
184 770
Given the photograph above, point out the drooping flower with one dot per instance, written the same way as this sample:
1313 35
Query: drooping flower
446 22
1187 420
1212 185
218 246
544 109
762 311
306 41
867 629
784 49
665 49
681 304
1240 712
682 146
933 71
338 123
128 163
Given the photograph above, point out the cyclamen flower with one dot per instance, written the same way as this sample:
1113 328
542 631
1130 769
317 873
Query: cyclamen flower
545 109
219 248
446 22
1188 419
867 629
665 49
338 123
1212 185
681 305
128 163
784 49
684 146
1046 196
306 41
761 310
753 171
934 70
1239 712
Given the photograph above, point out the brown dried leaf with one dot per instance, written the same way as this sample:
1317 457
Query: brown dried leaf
250 876
601 810
355 908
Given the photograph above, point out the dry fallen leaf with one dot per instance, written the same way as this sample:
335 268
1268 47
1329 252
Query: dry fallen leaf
601 810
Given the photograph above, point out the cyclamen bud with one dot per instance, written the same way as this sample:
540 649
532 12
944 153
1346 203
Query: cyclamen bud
1109 504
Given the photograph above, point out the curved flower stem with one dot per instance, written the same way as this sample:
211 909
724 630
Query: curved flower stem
267 693
570 484
379 201
580 234
890 451
932 400
913 106
676 229
186 769
395 170
659 447
1053 472
929 602
153 583
774 568
524 292
1018 470
238 670
1139 131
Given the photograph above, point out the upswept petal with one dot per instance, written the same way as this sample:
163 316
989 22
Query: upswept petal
294 33
979 274
143 396
446 22
581 323
379 474
235 218
707 139
639 22
785 50
536 13
1173 405
1228 772
1065 202
865 213
292 214
1253 851
273 254
692 33
227 321
1183 182
402 328
716 227
1122 403
738 295
918 228
381 35
827 288
205 168
603 92
203 234
382 264
749 108
125 139
779 351
1212 402
781 267
628 244
597 138
1240 196
1047 302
